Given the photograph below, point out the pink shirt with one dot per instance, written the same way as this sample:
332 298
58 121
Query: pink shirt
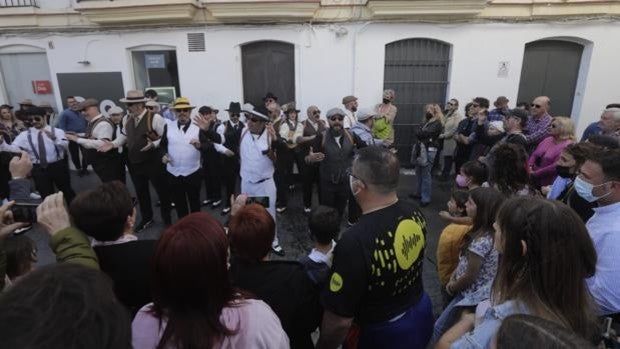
258 327
546 154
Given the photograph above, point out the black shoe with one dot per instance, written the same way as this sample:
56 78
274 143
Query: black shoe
443 178
143 225
277 249
225 211
84 172
216 204
415 196
206 202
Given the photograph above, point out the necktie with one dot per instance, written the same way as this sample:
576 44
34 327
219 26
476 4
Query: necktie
42 151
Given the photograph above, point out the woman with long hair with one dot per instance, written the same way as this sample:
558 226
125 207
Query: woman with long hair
194 304
546 255
509 172
425 150
542 161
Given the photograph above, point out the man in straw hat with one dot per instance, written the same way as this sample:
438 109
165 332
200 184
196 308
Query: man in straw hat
142 132
108 166
182 149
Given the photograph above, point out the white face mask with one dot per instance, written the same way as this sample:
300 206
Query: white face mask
351 181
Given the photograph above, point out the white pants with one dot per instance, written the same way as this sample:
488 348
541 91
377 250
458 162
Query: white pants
268 189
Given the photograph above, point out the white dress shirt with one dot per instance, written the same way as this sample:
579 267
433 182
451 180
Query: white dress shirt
185 158
349 119
285 130
255 165
103 130
604 286
54 149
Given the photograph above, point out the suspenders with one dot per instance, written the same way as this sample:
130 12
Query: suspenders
34 151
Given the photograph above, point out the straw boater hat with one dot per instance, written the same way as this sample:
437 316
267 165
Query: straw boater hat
27 101
182 103
134 96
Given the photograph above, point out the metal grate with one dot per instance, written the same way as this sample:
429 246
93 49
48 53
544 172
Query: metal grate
196 42
417 70
18 3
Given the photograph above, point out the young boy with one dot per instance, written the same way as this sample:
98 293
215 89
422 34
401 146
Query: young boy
449 244
324 225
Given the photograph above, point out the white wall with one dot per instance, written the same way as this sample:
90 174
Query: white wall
329 67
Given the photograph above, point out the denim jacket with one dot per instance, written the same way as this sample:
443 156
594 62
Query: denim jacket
480 337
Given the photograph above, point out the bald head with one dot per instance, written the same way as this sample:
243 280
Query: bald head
540 106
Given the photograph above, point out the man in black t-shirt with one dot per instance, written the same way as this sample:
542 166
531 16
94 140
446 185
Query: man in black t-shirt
376 279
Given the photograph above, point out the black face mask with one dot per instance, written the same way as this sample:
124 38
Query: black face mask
386 101
429 116
564 171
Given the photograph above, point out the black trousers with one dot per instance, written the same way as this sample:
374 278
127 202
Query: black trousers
54 176
448 160
334 195
110 168
152 171
186 189
311 177
230 176
75 150
212 168
280 175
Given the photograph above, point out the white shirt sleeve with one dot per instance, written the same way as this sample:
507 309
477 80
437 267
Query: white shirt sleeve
221 129
103 130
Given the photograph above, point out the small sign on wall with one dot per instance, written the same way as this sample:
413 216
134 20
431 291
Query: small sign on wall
154 61
502 71
42 87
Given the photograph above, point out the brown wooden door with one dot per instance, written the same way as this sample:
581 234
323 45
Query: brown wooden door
268 66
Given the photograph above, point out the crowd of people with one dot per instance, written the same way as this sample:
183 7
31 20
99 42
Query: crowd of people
529 249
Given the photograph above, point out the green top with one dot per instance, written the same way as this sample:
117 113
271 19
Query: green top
382 129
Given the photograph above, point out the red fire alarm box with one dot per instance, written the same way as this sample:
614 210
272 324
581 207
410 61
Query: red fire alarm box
42 87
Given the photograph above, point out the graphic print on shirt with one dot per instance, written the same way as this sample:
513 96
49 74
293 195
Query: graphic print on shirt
396 256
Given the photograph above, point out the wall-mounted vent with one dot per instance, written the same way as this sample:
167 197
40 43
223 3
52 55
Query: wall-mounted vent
196 42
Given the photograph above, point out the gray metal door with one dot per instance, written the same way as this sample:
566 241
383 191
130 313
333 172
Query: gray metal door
417 70
550 68
268 66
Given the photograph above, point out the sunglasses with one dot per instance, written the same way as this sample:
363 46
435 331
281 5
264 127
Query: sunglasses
183 110
337 117
234 115
535 105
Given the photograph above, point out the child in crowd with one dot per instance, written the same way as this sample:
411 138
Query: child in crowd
324 226
450 239
471 282
21 256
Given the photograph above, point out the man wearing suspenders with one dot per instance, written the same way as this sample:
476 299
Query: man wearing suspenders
47 147
108 166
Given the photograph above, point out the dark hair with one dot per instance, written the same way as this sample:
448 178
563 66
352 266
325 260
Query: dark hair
63 305
378 168
102 212
456 101
549 276
488 201
527 331
191 284
609 142
483 102
581 152
613 105
150 93
475 170
460 198
72 97
21 253
251 232
467 106
509 171
324 224
609 160
526 105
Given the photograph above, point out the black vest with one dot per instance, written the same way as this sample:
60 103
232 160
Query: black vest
232 136
337 159
137 139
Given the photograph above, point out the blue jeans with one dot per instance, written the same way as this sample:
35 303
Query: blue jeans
447 319
412 330
424 177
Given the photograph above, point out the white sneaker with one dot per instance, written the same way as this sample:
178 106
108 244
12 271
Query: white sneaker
307 209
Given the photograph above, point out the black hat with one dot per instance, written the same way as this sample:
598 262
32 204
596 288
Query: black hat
270 95
518 113
234 107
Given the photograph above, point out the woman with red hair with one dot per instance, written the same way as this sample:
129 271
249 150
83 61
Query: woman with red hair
284 285
194 304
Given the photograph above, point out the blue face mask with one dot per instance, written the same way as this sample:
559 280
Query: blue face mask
584 189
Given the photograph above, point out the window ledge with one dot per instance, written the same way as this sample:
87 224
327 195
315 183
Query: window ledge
137 11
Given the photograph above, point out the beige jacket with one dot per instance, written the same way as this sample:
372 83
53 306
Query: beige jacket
449 144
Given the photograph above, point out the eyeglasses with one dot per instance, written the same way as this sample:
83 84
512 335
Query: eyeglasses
535 105
183 110
337 117
349 172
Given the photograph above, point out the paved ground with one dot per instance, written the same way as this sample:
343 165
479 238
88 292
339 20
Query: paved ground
293 232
